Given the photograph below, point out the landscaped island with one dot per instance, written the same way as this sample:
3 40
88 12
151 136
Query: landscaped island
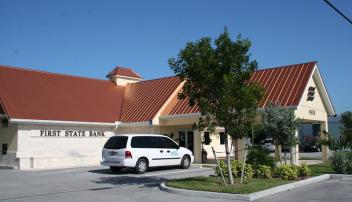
250 185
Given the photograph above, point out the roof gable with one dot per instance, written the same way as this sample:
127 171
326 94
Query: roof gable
321 95
284 85
143 100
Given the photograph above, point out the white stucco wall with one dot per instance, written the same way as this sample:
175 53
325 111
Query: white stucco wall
36 151
312 110
8 135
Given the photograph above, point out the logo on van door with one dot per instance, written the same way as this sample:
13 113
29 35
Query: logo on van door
174 153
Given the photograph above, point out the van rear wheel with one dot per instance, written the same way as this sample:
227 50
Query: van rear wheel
141 166
185 162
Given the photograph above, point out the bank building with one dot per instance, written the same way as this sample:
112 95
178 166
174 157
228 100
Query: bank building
51 120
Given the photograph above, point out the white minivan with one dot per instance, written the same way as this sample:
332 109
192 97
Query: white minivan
141 151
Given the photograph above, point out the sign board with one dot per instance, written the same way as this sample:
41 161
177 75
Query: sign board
70 133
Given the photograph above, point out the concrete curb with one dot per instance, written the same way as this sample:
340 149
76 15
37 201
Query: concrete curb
252 196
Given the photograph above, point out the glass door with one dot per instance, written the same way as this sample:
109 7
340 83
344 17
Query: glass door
186 139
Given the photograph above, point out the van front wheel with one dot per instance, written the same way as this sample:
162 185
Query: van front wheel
185 162
141 166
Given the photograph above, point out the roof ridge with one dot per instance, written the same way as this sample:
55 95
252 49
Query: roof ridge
50 73
285 66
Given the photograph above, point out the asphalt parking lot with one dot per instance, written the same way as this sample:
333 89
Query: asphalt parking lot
99 184
91 184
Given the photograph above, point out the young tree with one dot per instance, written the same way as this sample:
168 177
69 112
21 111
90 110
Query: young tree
282 124
217 80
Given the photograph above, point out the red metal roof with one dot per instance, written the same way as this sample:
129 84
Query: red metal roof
123 71
181 107
144 99
29 94
283 85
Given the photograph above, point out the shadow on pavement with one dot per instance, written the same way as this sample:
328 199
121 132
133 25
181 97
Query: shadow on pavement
131 171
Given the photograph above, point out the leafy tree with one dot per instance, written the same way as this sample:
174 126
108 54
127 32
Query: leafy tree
216 79
282 124
345 141
346 129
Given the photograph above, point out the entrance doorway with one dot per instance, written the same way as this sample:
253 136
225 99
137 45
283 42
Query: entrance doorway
186 139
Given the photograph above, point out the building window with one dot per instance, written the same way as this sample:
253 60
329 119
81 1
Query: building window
4 149
207 139
222 138
4 123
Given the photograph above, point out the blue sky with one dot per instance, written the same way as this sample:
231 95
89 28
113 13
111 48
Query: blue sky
88 38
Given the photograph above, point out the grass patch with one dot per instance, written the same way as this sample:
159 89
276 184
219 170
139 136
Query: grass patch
215 184
320 169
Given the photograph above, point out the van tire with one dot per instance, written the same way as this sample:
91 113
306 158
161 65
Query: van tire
115 169
185 162
141 166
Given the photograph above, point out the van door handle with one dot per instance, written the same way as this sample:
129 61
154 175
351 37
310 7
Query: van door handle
168 151
161 151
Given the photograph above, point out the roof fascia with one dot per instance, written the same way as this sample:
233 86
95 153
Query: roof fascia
325 94
56 122
144 123
126 77
192 115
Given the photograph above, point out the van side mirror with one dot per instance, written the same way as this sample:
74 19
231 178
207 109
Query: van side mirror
177 147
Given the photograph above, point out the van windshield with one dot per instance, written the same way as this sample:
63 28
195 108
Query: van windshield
117 142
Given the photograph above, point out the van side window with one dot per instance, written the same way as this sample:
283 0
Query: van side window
168 144
145 142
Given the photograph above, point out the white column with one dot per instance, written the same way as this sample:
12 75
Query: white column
295 152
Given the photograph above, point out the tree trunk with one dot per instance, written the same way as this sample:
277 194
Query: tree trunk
228 160
277 153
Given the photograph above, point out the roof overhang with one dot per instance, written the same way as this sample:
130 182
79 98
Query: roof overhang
169 117
66 123
144 123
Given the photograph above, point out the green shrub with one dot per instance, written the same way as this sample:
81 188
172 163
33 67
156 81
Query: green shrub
264 171
223 167
304 170
341 162
236 168
248 171
349 162
287 172
258 156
